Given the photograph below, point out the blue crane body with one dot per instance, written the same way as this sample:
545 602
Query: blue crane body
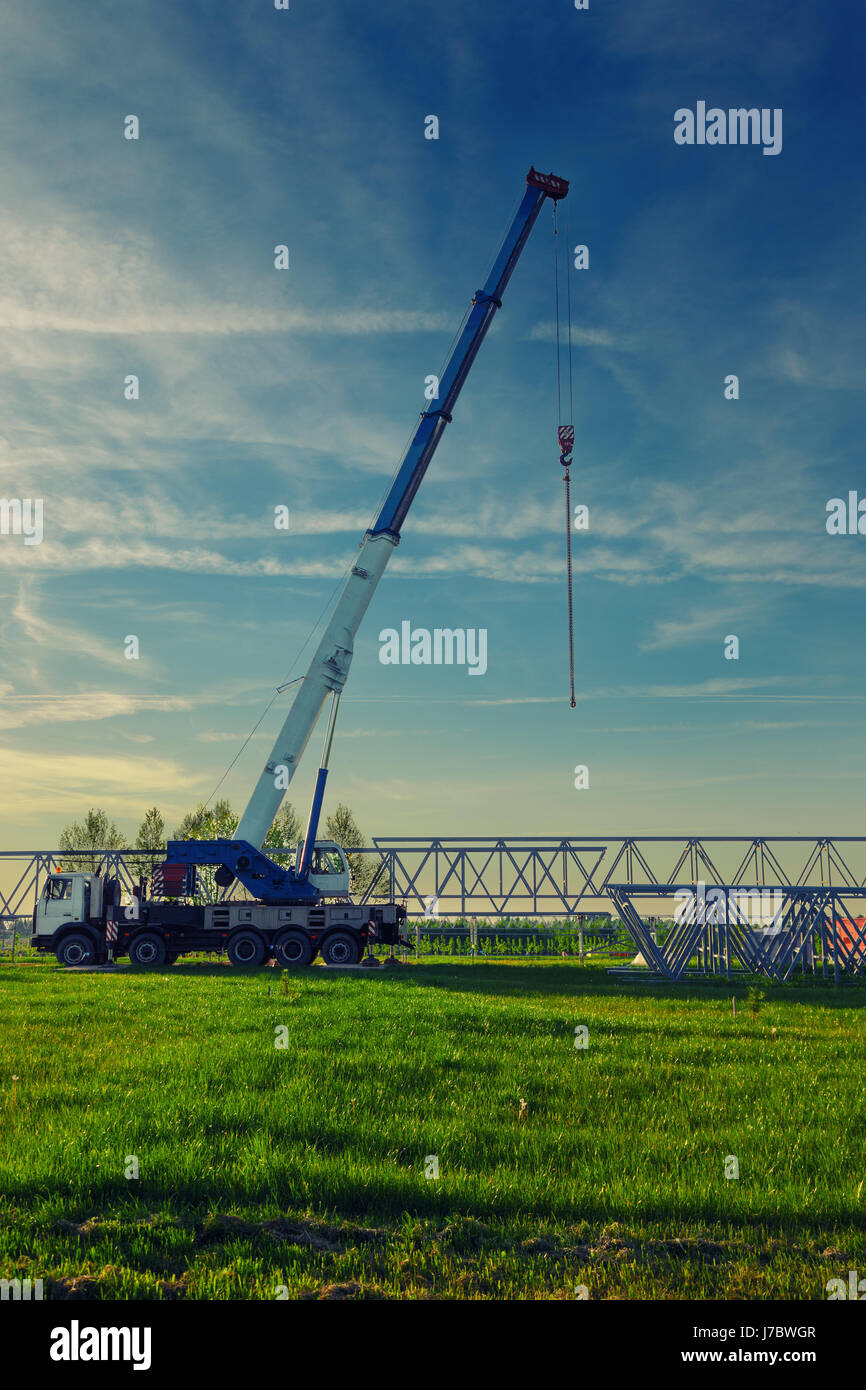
297 891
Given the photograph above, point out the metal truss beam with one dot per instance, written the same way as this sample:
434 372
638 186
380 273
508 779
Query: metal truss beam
812 927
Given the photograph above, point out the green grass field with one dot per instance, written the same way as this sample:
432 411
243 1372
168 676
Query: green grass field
301 1169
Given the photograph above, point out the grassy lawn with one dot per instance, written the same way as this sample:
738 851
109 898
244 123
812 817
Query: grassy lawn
303 1167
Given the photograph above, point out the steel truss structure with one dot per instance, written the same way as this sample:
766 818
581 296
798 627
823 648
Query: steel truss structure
820 881
565 876
814 928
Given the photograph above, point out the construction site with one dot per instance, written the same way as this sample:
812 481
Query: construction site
721 907
299 905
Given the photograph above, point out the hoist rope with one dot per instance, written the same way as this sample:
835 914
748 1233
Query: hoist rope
570 602
568 262
556 316
565 454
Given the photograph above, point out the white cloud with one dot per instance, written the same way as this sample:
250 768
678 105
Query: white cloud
20 711
711 623
37 785
718 687
581 337
65 271
214 736
61 637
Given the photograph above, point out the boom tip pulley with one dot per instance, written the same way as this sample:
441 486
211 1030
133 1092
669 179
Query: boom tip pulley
551 184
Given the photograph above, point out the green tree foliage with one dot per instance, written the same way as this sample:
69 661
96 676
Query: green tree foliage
220 821
363 868
285 833
150 838
342 827
215 822
96 832
151 832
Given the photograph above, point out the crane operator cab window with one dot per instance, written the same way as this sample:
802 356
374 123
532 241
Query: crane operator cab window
57 888
325 861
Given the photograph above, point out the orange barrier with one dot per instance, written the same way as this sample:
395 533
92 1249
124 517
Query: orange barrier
852 940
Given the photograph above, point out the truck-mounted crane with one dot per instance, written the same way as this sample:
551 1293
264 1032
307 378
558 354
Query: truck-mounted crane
293 912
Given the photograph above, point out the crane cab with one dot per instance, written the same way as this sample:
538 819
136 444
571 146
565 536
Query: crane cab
329 869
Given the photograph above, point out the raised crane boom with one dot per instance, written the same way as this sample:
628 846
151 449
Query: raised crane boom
330 666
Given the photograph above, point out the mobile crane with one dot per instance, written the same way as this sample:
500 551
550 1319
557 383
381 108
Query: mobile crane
288 916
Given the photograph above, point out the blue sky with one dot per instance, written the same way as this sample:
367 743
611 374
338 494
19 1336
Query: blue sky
707 516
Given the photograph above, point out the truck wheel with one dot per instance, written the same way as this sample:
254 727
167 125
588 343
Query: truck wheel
293 948
341 949
147 949
76 949
246 948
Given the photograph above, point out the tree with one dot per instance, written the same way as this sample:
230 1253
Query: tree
217 822
150 839
285 833
151 832
342 827
96 833
363 868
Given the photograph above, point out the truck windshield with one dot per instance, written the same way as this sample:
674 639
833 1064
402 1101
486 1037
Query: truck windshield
58 888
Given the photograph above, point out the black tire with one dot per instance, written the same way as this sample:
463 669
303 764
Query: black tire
147 949
246 948
76 949
171 957
341 949
293 949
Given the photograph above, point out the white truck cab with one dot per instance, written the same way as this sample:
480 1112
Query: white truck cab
68 917
67 898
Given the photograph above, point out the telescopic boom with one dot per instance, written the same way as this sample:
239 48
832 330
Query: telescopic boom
329 668
330 665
